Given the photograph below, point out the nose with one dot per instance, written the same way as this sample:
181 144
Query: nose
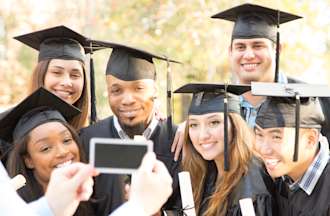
249 53
66 80
264 147
204 133
128 99
62 151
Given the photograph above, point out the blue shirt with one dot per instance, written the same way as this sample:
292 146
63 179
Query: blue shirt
249 111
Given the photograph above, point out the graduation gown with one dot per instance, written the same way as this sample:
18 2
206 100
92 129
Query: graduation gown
298 203
256 184
162 148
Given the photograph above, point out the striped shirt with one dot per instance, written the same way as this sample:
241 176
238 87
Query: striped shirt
314 171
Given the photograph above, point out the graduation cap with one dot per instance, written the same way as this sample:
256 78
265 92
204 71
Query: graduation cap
130 63
292 105
209 98
255 21
40 107
61 42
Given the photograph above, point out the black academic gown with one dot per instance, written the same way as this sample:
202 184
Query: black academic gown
325 104
298 203
256 184
162 148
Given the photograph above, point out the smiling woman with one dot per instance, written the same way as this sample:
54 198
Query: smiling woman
60 67
42 141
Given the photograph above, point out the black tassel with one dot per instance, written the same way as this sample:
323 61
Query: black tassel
296 142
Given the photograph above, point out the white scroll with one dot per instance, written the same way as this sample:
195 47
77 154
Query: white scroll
187 198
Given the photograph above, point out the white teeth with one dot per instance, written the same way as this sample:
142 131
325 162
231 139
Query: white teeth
206 145
64 164
250 66
271 162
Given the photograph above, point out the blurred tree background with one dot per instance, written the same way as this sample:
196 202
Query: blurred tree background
180 29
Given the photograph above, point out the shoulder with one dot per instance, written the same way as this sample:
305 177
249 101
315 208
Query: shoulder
254 183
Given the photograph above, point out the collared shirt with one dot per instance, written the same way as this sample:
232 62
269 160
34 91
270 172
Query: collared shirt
12 204
147 132
250 112
314 171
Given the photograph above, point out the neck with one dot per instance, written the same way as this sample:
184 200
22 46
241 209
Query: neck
137 129
252 99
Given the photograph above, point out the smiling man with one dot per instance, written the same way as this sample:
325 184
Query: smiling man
254 49
131 83
295 153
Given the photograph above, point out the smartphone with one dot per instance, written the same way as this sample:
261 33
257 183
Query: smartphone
118 156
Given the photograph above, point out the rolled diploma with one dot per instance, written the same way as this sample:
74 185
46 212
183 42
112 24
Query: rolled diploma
186 194
246 205
18 181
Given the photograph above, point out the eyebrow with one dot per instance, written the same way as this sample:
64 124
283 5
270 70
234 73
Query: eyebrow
45 138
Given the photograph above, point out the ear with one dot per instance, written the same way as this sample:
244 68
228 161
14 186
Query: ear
312 136
28 162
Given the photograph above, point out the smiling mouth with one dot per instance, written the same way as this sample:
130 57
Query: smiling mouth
63 94
250 66
206 146
129 113
66 163
271 163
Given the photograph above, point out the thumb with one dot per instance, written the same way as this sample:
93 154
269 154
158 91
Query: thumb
84 172
148 162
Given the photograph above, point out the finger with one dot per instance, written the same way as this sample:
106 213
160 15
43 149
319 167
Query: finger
148 162
175 140
179 147
84 172
86 189
70 170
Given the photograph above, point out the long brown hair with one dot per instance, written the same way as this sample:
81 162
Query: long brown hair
240 155
37 81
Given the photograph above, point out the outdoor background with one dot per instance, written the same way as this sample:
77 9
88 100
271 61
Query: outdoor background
180 29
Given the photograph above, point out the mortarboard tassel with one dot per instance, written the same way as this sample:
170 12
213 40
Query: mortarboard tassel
92 83
277 60
169 99
225 135
296 142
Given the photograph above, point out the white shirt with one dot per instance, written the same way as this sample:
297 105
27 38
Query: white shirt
12 204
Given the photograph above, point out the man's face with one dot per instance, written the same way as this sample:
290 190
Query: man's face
253 60
131 101
275 146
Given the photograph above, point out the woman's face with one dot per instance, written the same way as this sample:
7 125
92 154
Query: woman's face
206 134
50 145
65 78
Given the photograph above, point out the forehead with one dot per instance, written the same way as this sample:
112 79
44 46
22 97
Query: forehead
205 116
44 128
251 41
112 80
286 130
65 63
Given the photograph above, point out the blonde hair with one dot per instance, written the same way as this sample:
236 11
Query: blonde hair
37 81
240 155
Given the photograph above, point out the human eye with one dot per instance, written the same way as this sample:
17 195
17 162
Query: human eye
214 123
45 148
193 125
68 140
76 75
115 90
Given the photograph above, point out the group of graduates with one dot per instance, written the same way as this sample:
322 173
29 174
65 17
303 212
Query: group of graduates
264 138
